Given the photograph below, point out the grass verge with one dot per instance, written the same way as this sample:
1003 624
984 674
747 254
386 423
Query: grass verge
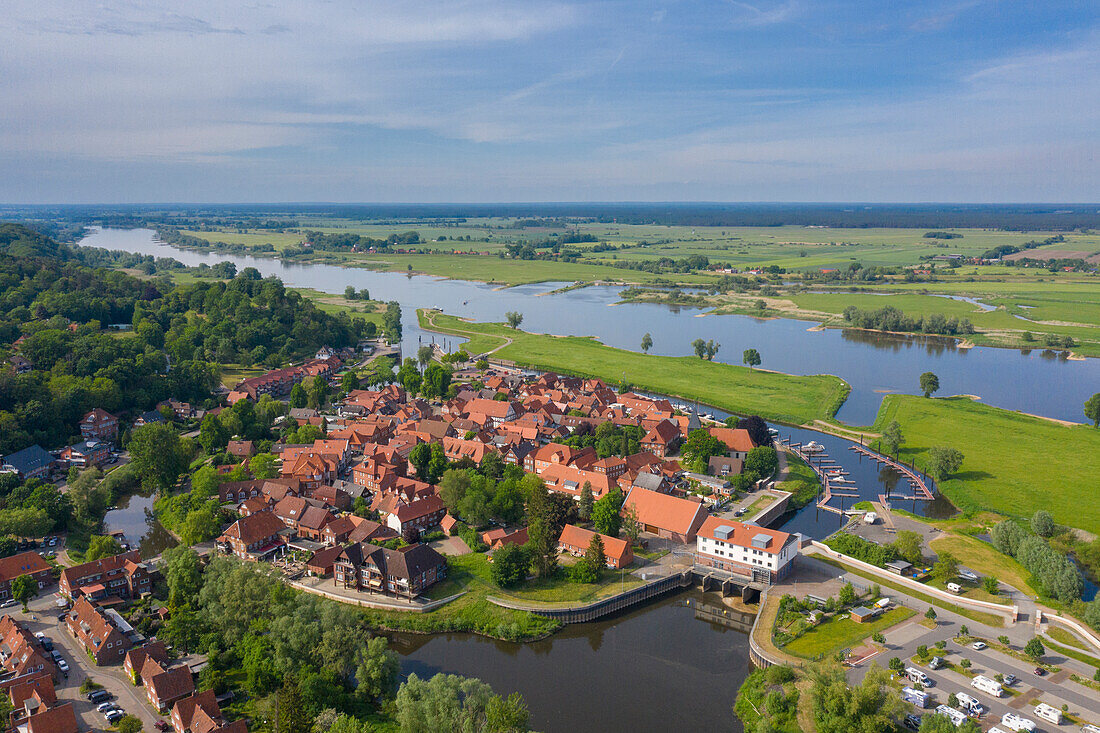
841 632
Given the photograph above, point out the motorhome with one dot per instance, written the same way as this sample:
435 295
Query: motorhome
1048 713
1016 722
870 518
917 697
918 676
954 587
956 718
987 685
970 705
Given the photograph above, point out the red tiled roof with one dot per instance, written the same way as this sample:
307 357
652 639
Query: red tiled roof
743 534
664 511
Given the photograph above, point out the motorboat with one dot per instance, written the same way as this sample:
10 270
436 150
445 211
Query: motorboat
813 447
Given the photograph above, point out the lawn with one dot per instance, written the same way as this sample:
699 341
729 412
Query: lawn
369 310
1013 463
234 373
772 395
983 558
801 481
840 632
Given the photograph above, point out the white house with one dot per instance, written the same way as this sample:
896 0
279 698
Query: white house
745 549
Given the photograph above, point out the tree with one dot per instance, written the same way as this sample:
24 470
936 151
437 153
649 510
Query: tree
376 669
908 546
878 637
929 383
129 724
510 566
965 663
157 455
23 589
605 513
762 460
892 439
1042 523
595 555
647 344
183 574
350 380
711 349
848 595
507 714
922 650
991 586
514 318
200 525
298 397
936 723
454 703
101 546
751 358
931 615
1092 409
541 538
871 706
943 461
946 567
632 527
584 506
424 356
1035 649
262 466
212 435
700 347
290 714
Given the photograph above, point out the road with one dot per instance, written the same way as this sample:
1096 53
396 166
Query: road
43 617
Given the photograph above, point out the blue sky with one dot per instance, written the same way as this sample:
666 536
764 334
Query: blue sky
354 100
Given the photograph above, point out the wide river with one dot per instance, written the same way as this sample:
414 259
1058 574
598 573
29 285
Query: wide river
668 665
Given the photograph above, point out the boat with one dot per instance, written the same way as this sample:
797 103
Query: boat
840 480
813 447
773 432
707 416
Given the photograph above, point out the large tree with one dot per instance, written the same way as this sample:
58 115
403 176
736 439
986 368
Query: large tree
23 589
514 318
605 513
892 438
183 574
542 538
647 344
870 707
1092 409
751 358
157 455
929 383
944 461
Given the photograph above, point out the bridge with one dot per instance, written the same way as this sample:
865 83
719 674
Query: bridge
916 481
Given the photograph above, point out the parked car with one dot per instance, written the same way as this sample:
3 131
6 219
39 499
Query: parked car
115 715
47 644
978 646
912 722
936 663
103 707
63 666
98 696
161 725
1039 671
1011 679
9 603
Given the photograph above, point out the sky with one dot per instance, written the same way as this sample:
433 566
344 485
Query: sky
141 101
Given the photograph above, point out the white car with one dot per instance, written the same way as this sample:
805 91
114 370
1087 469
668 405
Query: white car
103 707
978 646
63 666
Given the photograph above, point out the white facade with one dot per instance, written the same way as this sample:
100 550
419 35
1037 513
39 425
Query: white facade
745 548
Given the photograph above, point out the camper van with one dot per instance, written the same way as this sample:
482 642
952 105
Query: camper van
956 718
882 603
918 698
970 705
918 676
870 518
1088 728
1048 713
987 685
1012 721
954 587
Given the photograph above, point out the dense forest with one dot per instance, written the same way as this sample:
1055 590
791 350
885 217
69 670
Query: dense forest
171 343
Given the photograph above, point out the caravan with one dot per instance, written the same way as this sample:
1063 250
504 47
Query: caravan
918 676
1048 713
987 685
956 718
970 705
917 697
1016 722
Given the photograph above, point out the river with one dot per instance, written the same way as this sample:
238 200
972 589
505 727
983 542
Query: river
1039 382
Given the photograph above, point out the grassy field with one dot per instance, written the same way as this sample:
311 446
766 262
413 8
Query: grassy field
1014 464
840 632
368 310
801 481
983 558
792 399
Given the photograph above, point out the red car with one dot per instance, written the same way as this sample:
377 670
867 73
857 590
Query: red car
161 725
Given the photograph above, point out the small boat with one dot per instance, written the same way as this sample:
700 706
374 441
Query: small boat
813 447
840 480
773 432
707 416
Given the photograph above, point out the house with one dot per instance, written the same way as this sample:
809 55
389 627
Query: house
765 555
447 524
497 411
20 652
20 364
321 562
661 438
25 563
664 515
31 462
200 713
255 537
333 497
148 418
31 696
99 425
499 537
123 576
168 687
136 657
241 448
406 572
58 719
105 637
575 541
862 614
737 441
338 530
556 454
233 492
725 466
87 453
571 480
419 515
313 521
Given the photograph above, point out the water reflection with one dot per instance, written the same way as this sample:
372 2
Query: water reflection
134 518
675 664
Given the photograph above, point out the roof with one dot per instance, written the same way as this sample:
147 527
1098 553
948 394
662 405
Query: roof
749 536
255 527
72 575
31 458
663 432
324 558
315 518
663 510
493 408
419 508
206 701
736 439
25 563
575 536
650 481
60 719
173 684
